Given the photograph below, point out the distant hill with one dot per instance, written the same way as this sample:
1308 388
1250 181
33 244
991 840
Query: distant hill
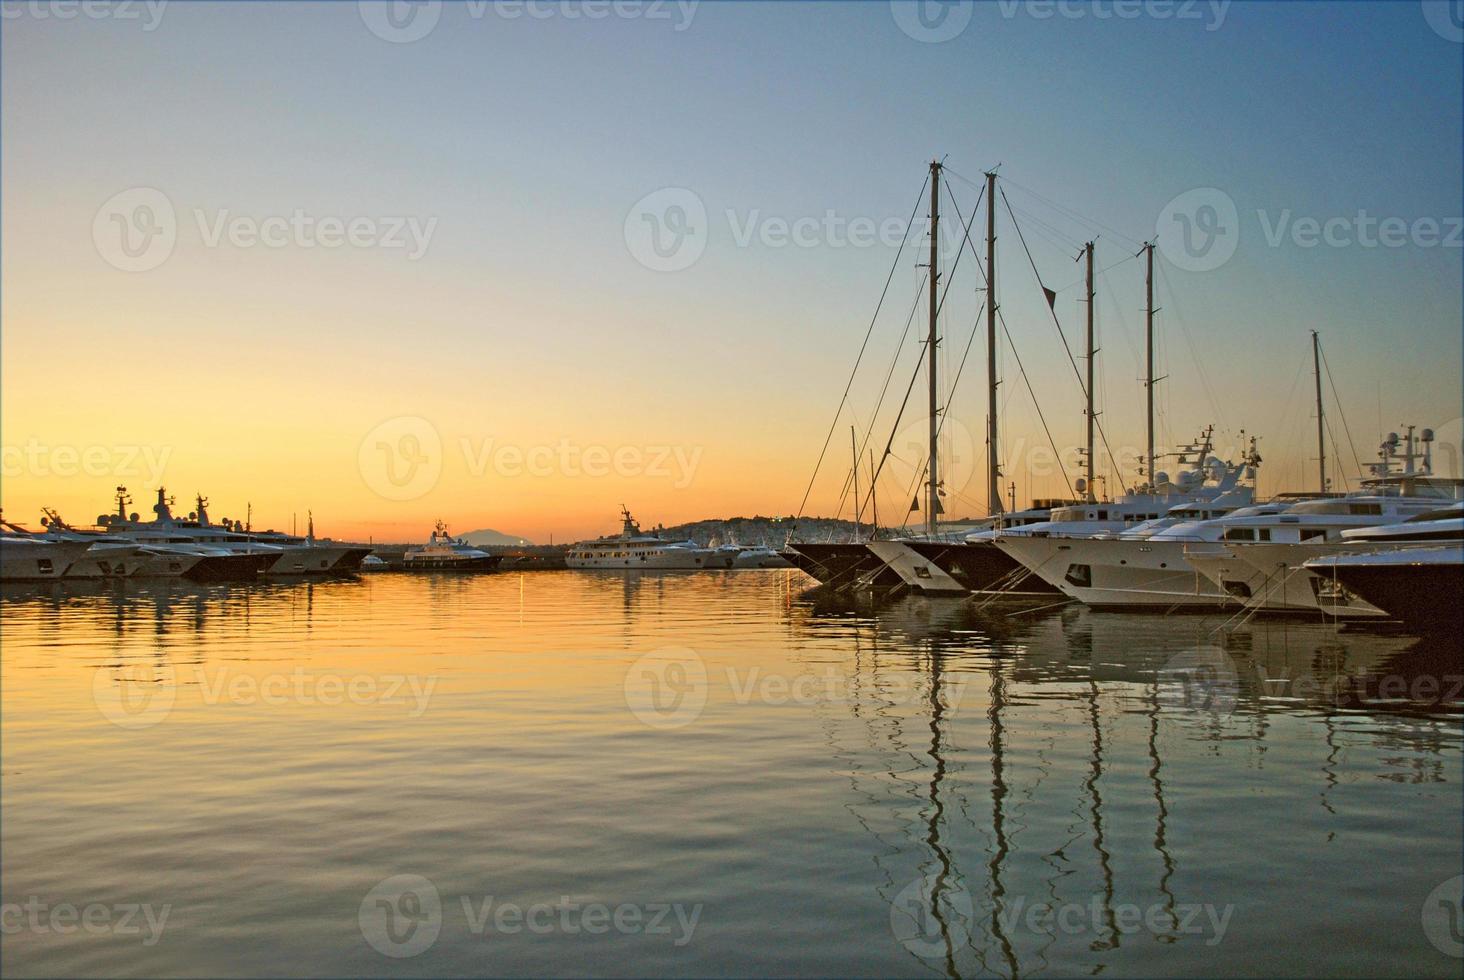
487 537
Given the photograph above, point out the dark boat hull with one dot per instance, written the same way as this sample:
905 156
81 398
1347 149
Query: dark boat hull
486 563
843 566
230 568
982 567
1425 597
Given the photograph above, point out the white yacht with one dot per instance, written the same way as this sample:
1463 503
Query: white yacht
1063 550
734 555
633 548
444 553
224 555
1263 562
29 557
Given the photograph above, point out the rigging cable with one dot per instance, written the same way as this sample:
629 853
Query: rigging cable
1333 385
867 334
1072 360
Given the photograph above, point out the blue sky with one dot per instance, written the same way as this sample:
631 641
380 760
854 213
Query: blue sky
531 139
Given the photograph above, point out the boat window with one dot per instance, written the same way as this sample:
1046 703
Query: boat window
1373 509
1103 515
1240 534
1264 534
1079 575
1311 534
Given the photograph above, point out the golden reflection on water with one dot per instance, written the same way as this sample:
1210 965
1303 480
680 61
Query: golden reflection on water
838 789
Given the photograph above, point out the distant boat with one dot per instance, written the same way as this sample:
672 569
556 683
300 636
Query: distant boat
444 553
633 548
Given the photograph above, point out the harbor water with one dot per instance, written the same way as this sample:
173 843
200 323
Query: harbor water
708 773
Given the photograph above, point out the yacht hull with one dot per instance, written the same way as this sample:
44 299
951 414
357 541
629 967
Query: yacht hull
243 567
843 566
693 559
446 563
915 570
316 559
31 560
982 567
1427 596
1279 582
1117 573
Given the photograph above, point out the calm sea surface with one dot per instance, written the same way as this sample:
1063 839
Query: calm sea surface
705 774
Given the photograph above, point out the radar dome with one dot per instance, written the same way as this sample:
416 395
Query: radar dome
1161 478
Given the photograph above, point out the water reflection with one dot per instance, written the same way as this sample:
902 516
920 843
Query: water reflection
1393 689
973 793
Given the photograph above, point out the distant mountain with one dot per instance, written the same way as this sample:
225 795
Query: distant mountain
488 537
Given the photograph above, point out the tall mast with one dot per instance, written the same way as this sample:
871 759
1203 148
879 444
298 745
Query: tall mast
932 500
1321 439
873 499
1149 358
993 466
1089 250
854 449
